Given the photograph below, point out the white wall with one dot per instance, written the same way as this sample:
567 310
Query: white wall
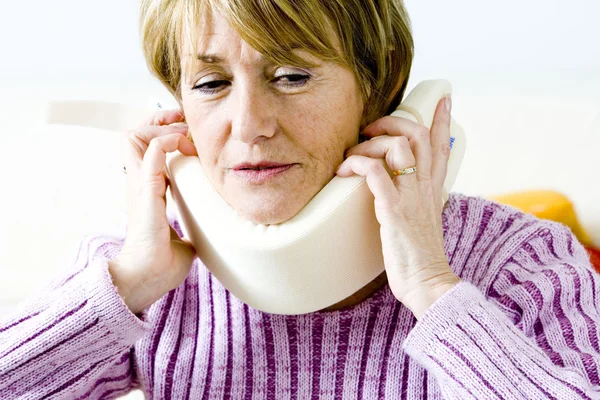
526 41
463 40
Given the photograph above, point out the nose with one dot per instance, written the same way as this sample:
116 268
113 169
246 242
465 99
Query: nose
253 115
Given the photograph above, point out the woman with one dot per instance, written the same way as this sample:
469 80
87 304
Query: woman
478 300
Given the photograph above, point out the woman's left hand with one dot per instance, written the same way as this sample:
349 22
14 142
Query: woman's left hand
408 207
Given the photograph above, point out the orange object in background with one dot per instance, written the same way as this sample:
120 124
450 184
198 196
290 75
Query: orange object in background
595 257
548 204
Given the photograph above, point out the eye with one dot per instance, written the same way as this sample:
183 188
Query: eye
293 80
210 87
287 80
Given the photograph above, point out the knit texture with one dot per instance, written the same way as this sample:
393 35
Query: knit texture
522 324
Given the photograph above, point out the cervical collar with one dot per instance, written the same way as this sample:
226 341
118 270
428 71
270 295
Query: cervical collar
324 254
327 252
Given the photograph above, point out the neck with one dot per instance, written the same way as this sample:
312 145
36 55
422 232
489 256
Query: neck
362 294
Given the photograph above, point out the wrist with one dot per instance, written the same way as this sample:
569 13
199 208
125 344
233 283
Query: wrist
133 291
424 295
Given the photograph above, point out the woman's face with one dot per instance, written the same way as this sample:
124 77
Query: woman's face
245 113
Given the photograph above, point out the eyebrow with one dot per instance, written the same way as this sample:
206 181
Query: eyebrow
210 58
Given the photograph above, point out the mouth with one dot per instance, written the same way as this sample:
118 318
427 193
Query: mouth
258 166
260 172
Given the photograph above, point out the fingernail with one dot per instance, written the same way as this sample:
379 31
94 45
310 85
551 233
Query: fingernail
448 103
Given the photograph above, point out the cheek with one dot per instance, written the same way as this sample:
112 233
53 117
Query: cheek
340 124
204 128
325 132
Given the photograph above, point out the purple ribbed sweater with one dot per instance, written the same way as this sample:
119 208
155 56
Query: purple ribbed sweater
523 324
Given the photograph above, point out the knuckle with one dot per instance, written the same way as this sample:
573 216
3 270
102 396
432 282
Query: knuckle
157 118
165 140
150 119
388 119
401 143
382 123
164 131
444 149
422 132
375 167
156 143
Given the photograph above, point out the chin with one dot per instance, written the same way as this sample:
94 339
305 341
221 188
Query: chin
269 212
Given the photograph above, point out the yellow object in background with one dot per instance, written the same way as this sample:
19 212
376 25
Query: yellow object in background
547 204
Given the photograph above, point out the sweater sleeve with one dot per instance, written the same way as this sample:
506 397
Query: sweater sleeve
75 339
533 335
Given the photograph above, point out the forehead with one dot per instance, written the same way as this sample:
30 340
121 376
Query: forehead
213 40
210 31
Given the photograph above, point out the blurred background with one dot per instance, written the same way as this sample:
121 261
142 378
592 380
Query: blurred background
526 79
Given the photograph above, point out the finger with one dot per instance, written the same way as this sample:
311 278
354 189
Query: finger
397 153
418 136
155 157
149 132
402 157
383 148
164 117
135 144
377 177
151 180
440 143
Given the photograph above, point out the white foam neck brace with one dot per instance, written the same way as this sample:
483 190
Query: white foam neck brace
324 254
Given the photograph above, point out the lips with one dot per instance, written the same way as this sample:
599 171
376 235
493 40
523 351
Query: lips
256 169
260 173
258 166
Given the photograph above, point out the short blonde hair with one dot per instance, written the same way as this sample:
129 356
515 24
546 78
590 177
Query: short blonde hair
373 36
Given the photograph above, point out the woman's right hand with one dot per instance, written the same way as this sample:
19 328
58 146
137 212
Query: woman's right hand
153 259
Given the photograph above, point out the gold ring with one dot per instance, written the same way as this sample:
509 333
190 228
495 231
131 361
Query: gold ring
405 171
